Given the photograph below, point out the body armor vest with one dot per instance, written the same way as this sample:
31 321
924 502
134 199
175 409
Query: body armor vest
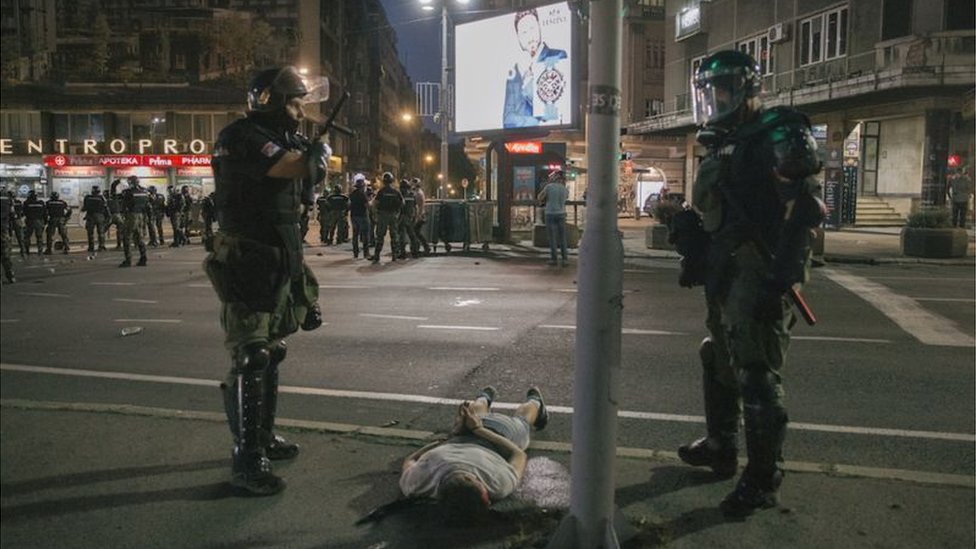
95 204
338 202
136 201
409 204
388 200
34 210
56 209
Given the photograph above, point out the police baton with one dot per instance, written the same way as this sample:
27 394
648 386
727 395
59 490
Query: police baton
330 123
801 305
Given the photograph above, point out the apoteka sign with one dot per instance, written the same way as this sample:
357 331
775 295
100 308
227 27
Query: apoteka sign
128 160
92 146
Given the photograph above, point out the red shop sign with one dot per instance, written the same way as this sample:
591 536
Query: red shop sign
524 147
128 160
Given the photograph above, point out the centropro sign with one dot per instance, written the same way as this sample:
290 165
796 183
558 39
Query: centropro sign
128 160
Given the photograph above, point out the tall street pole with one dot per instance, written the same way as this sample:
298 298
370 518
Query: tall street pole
444 95
599 304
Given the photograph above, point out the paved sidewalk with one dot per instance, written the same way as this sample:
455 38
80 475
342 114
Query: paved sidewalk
95 476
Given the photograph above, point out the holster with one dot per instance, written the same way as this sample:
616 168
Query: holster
246 271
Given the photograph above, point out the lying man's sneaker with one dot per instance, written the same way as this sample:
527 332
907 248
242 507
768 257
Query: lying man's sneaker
723 460
749 496
542 419
279 449
488 393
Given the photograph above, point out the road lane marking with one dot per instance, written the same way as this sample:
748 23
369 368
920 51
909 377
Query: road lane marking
128 300
443 327
424 399
950 299
929 328
150 320
199 286
394 317
846 339
42 294
627 331
113 283
932 278
9 320
342 287
566 290
461 289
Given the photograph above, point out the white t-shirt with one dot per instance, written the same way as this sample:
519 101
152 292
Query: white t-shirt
422 479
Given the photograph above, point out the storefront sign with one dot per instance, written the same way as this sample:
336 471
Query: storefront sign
79 171
128 160
91 146
141 172
524 147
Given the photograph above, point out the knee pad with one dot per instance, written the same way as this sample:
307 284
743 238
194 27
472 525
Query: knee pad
252 358
278 353
706 351
759 386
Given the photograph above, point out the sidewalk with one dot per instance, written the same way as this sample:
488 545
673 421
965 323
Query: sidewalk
93 476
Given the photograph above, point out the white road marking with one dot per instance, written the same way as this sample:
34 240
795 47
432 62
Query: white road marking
395 317
199 286
929 328
832 338
932 278
465 302
462 289
472 328
113 283
626 331
42 294
342 287
949 299
9 320
566 290
150 320
126 300
423 399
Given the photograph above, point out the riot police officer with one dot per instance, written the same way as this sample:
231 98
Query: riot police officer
16 221
174 209
137 207
116 217
58 212
359 215
208 213
323 215
338 213
749 248
186 213
408 221
388 202
257 267
6 214
35 215
95 207
155 221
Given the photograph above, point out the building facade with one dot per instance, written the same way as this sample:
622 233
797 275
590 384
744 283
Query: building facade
888 85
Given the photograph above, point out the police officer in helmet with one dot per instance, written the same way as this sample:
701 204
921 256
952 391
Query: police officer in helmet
264 171
749 247
136 208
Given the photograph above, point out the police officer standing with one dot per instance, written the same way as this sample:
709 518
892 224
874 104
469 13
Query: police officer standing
758 204
408 221
137 207
388 202
174 209
16 223
322 207
6 214
208 212
115 212
155 221
36 215
359 215
186 213
257 267
58 212
95 207
338 209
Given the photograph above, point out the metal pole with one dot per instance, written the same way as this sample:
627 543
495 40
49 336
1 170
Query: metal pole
599 303
444 94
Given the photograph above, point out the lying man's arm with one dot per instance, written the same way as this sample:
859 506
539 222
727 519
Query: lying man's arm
412 458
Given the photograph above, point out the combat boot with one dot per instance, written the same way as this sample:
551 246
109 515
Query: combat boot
704 452
47 251
142 261
126 263
750 494
275 446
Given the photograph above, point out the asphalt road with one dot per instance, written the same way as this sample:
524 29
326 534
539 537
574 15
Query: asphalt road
885 380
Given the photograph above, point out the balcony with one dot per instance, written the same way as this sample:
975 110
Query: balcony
919 63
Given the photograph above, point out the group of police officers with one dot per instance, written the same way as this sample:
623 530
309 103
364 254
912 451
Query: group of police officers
134 211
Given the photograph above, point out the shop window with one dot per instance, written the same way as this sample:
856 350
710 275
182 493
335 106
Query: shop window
960 15
823 36
760 50
896 19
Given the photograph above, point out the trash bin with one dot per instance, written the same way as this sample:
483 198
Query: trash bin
453 223
481 216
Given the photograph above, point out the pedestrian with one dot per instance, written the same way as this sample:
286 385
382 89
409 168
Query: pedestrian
57 212
960 190
338 212
115 210
359 216
408 221
6 215
323 215
418 192
388 202
553 197
257 268
208 212
136 208
16 221
174 210
95 208
481 463
758 205
155 221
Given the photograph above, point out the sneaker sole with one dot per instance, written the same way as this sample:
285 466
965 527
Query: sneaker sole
542 419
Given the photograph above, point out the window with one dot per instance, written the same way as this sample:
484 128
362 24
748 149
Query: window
695 63
960 15
896 19
761 50
823 37
203 127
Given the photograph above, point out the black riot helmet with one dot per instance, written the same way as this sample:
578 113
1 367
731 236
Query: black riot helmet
722 84
95 189
55 196
271 89
133 181
388 178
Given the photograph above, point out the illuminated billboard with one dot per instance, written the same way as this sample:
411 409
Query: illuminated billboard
517 71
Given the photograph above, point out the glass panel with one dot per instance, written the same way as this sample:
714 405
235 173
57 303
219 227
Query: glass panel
97 127
141 126
805 43
832 35
869 183
61 126
123 127
79 127
202 127
872 128
816 38
870 153
183 126
842 49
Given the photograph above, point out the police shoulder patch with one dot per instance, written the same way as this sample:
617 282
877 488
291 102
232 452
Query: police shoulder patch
270 149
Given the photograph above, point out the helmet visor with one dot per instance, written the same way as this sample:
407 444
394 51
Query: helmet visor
716 97
318 89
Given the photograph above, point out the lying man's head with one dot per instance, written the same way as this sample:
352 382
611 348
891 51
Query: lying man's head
462 498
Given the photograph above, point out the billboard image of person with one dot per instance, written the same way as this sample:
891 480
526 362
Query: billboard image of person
525 80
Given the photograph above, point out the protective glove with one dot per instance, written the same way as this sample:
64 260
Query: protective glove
313 318
317 159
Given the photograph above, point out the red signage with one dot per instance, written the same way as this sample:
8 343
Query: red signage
524 147
79 171
128 160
